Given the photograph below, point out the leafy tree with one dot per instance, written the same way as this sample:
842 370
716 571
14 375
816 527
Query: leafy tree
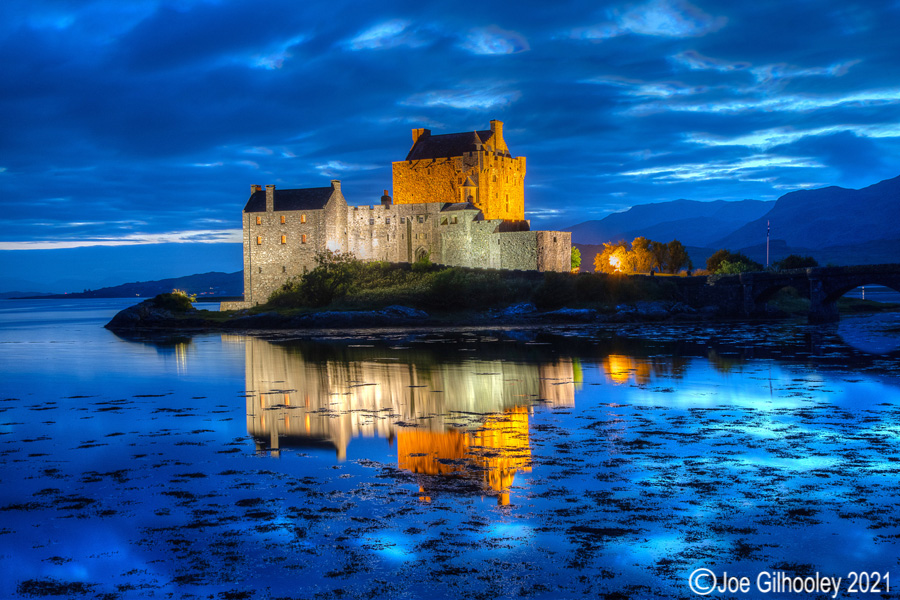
676 257
423 263
737 263
727 267
576 259
660 254
328 281
610 259
795 261
642 258
713 262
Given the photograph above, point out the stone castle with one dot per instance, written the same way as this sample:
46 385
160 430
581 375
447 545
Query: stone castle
458 199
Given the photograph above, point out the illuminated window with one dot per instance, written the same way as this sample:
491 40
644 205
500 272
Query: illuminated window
259 220
303 239
284 238
303 218
283 219
259 240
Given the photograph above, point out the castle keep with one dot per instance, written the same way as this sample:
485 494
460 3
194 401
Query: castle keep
458 199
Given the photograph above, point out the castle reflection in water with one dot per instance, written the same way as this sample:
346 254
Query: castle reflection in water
448 416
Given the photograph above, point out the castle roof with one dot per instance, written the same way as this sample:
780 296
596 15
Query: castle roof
302 199
448 145
459 206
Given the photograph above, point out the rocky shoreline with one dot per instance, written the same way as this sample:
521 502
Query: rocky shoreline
150 315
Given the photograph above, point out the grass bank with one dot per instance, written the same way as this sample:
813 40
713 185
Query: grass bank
358 285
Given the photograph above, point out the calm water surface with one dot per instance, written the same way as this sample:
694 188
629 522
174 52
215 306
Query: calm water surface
583 462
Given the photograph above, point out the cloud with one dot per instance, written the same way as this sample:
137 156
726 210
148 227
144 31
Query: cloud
490 98
493 40
784 103
388 34
335 167
661 18
777 136
756 168
179 237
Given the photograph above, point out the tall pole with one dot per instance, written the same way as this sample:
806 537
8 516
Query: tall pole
767 243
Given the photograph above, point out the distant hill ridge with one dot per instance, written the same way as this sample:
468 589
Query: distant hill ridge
833 224
213 284
692 222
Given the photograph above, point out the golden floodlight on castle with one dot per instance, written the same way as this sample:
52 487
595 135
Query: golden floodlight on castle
458 199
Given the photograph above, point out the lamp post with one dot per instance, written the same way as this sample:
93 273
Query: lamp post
767 242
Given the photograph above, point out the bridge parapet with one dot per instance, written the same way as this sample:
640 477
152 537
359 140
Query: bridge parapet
746 294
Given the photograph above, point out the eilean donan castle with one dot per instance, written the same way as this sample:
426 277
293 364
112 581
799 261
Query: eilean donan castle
458 198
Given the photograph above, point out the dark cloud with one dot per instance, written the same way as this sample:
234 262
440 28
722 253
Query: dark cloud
152 117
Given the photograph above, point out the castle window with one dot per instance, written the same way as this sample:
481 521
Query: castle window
259 220
387 221
425 236
403 219
260 269
371 221
283 269
455 220
283 219
554 239
284 238
303 218
421 219
303 239
259 240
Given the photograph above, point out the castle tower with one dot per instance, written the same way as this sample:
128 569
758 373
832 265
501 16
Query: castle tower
453 167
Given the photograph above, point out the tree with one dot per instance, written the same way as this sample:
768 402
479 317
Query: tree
328 281
795 261
713 262
576 259
676 257
610 259
642 258
660 254
737 263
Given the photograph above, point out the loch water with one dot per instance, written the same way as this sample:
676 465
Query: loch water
571 462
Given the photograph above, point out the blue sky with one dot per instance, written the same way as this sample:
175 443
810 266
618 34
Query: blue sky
147 121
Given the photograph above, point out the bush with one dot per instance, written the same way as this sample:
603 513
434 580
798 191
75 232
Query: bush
175 301
726 262
795 261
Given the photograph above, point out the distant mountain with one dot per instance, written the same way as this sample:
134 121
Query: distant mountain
826 217
203 285
75 269
692 222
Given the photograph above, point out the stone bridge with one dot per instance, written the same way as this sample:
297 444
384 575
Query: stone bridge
746 294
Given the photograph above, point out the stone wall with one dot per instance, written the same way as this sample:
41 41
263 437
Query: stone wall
281 245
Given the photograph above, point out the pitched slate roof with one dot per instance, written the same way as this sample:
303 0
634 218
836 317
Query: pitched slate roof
459 206
305 199
448 144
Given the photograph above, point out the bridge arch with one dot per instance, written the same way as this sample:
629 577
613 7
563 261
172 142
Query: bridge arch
838 291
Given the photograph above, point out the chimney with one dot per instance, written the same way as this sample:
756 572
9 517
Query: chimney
417 133
336 185
386 199
270 198
497 140
255 188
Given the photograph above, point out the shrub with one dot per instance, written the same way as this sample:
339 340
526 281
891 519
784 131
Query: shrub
175 301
